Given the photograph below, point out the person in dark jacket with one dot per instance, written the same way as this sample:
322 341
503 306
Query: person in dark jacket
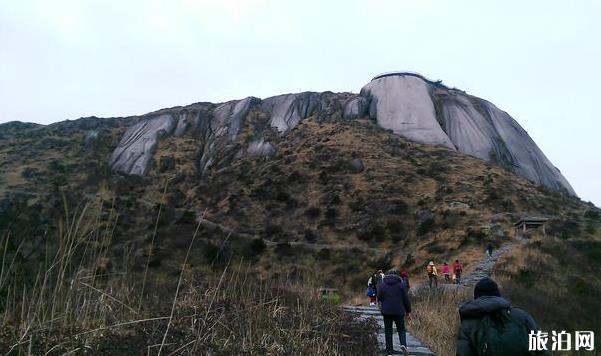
489 249
394 305
488 302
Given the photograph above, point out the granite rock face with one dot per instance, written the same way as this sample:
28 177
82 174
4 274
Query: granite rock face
406 103
221 129
261 148
286 111
134 153
428 112
403 105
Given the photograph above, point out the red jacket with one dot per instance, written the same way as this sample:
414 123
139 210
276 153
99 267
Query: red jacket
445 269
457 267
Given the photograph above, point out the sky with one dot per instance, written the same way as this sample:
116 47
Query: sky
537 60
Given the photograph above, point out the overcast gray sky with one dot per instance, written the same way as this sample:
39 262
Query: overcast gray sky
537 60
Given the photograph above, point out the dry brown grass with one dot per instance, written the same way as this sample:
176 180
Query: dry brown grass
435 317
68 308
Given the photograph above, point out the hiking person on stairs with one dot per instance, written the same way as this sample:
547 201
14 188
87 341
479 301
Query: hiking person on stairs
491 326
372 285
445 272
489 249
394 305
457 270
432 275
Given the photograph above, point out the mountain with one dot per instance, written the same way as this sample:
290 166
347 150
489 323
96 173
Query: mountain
317 189
405 160
407 104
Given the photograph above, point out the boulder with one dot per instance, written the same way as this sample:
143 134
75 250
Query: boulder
261 148
356 165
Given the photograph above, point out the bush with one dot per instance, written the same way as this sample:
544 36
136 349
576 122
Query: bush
188 217
254 248
331 213
564 228
399 207
426 225
472 236
592 214
310 235
272 231
313 212
373 232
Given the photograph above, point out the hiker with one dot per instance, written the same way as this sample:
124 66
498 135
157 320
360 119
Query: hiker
489 249
432 275
405 278
457 270
445 272
380 277
371 294
491 326
372 287
394 305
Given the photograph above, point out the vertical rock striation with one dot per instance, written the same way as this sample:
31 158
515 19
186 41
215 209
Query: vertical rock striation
406 103
134 153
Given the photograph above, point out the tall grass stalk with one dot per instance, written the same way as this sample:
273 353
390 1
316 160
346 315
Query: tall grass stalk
151 245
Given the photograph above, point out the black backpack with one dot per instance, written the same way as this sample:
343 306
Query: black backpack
501 333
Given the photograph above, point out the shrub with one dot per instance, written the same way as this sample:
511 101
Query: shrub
372 232
426 225
564 228
399 207
310 235
331 213
188 217
254 248
272 231
313 212
472 236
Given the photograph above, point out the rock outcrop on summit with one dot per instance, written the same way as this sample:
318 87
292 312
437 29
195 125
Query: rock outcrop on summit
403 105
134 153
410 105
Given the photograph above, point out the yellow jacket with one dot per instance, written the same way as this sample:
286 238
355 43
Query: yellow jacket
433 271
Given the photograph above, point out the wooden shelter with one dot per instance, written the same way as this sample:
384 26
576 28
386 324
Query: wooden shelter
531 222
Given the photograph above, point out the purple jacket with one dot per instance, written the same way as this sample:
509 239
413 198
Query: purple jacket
392 294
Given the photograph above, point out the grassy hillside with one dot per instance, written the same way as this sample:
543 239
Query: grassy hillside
307 217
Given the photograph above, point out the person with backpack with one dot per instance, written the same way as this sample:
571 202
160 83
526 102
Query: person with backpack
394 305
432 275
372 287
491 326
457 270
445 272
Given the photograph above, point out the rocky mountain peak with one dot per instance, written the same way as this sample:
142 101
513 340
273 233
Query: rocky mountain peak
410 105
